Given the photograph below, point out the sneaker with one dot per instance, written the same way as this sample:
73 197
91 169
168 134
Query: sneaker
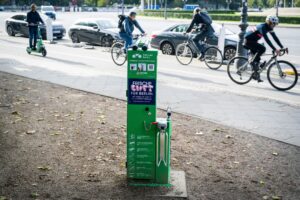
256 76
262 64
202 56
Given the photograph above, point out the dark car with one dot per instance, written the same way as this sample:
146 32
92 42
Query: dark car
168 39
94 31
17 25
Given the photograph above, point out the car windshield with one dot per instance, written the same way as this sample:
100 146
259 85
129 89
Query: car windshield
47 8
106 24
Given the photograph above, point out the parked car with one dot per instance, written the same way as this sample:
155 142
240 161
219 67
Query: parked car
49 11
17 25
94 31
167 40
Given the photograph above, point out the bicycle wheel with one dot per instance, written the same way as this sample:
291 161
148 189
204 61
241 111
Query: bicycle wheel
213 58
117 54
283 75
184 54
239 70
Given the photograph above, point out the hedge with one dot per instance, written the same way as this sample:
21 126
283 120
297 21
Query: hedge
219 17
189 11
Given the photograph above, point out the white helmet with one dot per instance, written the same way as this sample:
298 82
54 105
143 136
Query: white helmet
272 19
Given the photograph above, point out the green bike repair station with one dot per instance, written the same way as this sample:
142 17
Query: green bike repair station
148 137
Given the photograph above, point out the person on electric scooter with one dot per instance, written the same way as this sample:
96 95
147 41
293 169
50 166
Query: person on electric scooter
206 30
255 34
126 26
33 19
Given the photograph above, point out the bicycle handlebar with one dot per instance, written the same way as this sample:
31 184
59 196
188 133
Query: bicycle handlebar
282 52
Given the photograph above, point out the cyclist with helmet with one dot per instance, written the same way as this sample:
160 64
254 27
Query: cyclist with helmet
206 30
251 42
127 29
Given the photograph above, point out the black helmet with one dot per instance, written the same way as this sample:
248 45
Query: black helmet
132 14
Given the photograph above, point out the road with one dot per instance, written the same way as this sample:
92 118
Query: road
193 89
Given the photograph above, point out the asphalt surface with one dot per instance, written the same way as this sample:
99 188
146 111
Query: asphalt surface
193 89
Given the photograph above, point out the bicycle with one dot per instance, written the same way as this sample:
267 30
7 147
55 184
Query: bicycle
281 74
118 53
186 51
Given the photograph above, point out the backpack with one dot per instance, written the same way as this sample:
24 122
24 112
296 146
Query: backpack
206 18
121 20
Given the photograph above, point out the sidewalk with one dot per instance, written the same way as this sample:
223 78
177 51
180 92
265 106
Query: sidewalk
198 91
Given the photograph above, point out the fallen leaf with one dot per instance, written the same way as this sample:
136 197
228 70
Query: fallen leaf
102 116
228 136
66 115
44 168
199 133
34 195
275 154
30 132
15 113
56 115
262 182
265 197
236 162
276 198
40 119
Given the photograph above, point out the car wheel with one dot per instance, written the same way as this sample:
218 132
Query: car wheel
167 48
59 38
74 38
106 41
229 53
10 31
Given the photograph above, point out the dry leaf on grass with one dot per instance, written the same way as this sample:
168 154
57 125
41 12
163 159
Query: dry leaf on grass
30 132
44 168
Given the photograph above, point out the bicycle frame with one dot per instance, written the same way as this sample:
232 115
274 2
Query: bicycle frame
270 61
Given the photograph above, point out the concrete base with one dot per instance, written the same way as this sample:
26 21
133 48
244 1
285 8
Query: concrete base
178 183
177 188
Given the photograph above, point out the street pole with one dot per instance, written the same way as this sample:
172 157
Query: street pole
165 9
241 51
123 7
277 2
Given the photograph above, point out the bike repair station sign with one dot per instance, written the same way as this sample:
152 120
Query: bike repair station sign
142 64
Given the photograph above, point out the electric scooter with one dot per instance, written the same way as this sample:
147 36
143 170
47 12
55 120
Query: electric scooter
40 47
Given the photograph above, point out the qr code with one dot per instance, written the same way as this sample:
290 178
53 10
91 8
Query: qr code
150 67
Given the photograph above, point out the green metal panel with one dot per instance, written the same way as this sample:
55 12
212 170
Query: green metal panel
141 112
148 145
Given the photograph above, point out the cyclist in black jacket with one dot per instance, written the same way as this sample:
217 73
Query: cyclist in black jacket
206 30
33 19
251 42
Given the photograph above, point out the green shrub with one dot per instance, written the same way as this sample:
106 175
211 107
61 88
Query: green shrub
219 16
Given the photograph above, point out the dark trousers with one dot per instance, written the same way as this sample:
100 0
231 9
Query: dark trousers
255 47
33 34
207 32
127 38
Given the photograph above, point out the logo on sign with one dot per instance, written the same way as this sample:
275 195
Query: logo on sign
136 55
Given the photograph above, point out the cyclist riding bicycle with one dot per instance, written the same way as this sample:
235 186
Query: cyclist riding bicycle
126 26
206 30
33 18
251 42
